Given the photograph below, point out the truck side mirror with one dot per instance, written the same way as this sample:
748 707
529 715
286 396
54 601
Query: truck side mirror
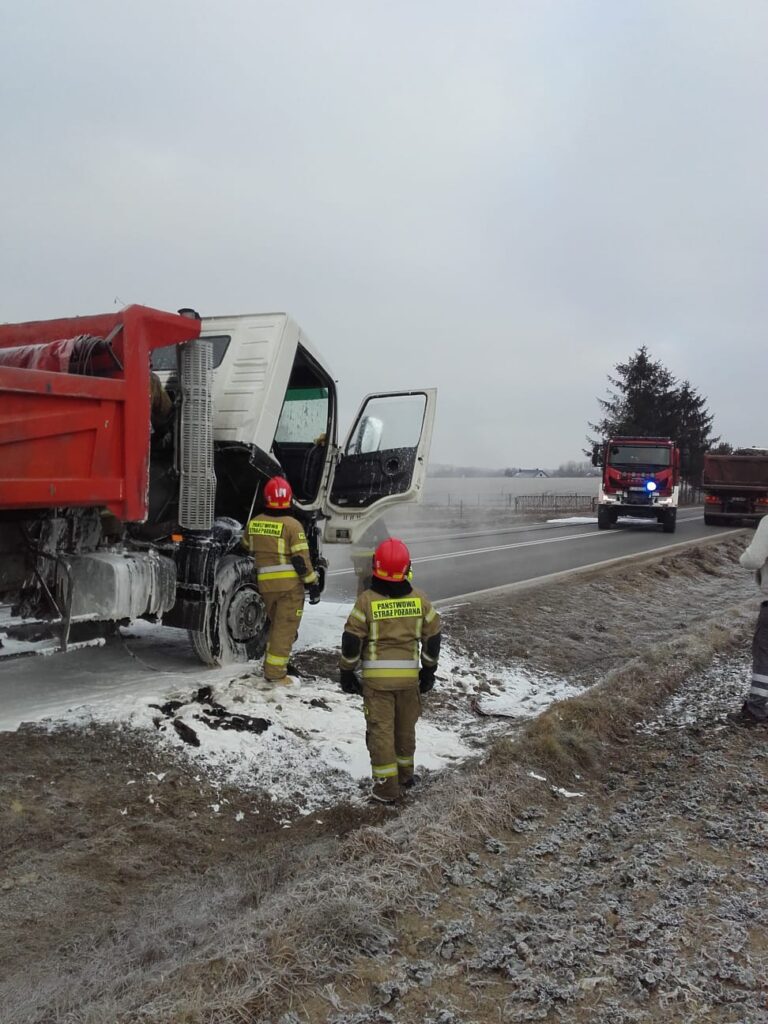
368 437
597 453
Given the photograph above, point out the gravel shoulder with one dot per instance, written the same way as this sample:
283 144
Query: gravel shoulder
604 863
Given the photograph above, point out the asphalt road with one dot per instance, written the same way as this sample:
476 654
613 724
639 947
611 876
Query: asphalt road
451 564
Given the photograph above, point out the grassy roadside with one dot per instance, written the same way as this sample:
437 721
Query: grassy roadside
296 936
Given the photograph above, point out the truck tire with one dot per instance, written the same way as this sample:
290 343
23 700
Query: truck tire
711 519
604 519
237 626
669 522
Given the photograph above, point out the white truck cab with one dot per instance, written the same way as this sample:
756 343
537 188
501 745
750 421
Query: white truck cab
275 409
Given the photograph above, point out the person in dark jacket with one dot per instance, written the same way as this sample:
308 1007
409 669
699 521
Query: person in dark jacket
754 710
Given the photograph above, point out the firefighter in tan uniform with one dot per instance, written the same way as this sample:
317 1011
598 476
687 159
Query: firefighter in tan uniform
281 553
390 625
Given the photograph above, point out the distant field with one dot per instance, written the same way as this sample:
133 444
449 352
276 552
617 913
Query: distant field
502 491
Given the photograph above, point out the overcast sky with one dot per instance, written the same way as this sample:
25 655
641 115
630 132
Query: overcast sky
500 199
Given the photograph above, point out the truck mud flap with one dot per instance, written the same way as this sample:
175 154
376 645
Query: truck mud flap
188 612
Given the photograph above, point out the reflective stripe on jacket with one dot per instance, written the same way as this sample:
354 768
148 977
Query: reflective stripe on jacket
280 550
392 631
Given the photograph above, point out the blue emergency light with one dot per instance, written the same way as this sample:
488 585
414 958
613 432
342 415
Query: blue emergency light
650 485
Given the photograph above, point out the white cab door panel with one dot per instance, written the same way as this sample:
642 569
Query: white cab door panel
383 461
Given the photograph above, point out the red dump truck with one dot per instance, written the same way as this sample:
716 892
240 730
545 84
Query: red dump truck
735 486
641 479
133 449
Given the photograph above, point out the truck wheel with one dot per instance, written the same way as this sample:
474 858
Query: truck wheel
603 519
669 522
236 630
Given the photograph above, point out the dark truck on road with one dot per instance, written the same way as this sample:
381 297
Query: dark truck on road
735 486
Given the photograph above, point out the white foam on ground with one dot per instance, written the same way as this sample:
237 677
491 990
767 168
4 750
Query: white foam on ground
313 754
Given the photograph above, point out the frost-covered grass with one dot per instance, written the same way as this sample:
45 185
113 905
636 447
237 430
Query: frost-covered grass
226 947
284 934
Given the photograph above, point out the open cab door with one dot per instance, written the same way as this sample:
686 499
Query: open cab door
383 462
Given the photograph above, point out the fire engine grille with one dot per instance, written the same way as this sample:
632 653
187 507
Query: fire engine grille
639 496
197 485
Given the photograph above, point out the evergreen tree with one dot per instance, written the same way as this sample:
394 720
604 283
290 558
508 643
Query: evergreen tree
647 400
723 448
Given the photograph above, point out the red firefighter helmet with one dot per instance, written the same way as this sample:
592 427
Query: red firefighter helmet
277 493
391 561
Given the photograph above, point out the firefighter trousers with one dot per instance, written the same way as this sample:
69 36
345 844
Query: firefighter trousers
390 735
756 704
284 609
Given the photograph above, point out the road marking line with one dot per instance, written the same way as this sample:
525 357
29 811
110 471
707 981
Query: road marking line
601 535
490 550
446 602
515 544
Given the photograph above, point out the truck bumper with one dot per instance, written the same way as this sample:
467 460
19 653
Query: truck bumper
657 512
735 517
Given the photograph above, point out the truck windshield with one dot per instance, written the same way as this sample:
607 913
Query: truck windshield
636 455
304 418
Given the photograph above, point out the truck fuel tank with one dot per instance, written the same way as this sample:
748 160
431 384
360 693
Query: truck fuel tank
109 586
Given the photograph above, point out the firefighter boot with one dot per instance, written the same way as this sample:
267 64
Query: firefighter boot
386 791
292 682
746 717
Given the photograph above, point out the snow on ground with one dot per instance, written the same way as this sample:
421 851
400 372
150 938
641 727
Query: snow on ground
708 696
524 696
581 520
311 753
574 520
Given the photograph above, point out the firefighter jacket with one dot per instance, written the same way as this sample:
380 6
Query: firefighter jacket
279 547
385 630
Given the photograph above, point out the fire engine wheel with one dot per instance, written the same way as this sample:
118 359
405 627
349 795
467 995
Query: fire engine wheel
669 522
237 626
604 519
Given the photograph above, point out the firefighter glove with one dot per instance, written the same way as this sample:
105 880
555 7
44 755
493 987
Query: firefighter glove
349 682
426 679
314 593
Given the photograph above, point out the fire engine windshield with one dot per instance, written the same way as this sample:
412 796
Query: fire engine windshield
623 455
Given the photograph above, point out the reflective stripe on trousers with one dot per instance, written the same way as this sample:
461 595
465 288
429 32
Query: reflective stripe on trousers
277 572
275 659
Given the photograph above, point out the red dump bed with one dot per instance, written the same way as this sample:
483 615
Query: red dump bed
68 438
740 472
